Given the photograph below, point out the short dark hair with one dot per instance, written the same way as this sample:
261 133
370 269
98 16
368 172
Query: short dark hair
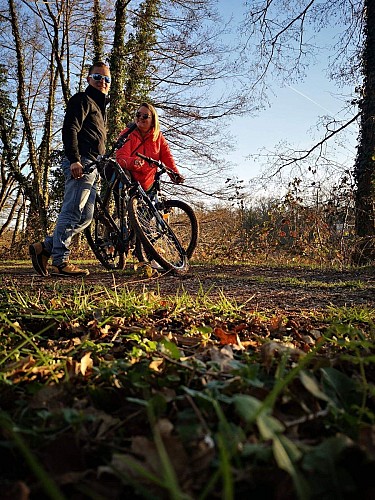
98 64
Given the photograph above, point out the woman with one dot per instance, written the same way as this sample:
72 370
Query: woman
149 141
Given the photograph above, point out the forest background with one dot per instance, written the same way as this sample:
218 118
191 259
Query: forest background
199 72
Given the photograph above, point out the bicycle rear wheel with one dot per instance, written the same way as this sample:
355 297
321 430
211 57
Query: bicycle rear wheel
104 241
158 239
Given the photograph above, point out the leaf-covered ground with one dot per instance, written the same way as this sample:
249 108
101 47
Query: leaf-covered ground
229 382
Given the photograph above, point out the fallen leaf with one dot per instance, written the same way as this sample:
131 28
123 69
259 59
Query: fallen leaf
86 364
156 365
164 426
226 337
271 350
275 324
15 491
22 364
240 327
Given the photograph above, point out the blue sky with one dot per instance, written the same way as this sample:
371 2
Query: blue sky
294 112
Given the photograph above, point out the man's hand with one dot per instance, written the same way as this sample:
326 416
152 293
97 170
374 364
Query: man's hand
76 170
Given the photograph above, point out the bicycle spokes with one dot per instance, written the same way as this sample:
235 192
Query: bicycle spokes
156 235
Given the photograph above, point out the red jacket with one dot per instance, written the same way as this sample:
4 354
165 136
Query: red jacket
158 150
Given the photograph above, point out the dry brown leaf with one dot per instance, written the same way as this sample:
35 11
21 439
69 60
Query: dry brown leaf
16 491
49 397
240 327
367 439
157 364
226 337
270 350
86 364
145 448
104 423
250 343
152 272
275 324
21 364
72 367
164 426
222 357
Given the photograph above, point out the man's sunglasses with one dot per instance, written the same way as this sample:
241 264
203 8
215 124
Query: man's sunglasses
98 77
142 115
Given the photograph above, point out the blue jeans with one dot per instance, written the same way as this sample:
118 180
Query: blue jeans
76 212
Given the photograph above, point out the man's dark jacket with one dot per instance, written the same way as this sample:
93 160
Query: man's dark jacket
84 128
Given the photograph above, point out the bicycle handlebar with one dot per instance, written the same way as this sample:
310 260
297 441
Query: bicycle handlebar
163 168
158 163
119 143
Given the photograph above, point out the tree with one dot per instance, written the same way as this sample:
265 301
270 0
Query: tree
365 163
37 196
97 31
139 49
10 191
286 47
115 120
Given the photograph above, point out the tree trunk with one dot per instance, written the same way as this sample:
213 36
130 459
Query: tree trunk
115 123
97 32
365 162
139 56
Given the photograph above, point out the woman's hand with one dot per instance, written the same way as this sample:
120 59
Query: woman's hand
138 164
176 178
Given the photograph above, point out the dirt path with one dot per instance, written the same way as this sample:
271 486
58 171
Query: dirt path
260 287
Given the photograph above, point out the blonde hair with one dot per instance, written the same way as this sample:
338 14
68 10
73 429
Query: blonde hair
155 119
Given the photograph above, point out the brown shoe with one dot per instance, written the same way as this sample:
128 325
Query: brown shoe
39 258
67 269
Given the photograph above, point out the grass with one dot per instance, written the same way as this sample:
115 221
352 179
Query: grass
313 283
108 393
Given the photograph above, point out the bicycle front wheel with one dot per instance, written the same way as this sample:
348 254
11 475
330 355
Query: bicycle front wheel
104 242
157 237
183 222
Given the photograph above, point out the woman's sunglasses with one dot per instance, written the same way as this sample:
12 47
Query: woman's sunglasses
98 77
142 115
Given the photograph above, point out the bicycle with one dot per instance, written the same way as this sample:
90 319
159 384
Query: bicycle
126 218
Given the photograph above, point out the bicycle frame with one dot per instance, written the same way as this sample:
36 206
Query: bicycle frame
122 230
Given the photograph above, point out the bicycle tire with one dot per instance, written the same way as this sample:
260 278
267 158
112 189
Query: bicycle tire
158 239
104 242
183 222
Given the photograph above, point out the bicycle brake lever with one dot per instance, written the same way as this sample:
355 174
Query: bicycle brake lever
146 158
151 161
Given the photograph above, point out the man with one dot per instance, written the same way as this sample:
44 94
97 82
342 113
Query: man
84 137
